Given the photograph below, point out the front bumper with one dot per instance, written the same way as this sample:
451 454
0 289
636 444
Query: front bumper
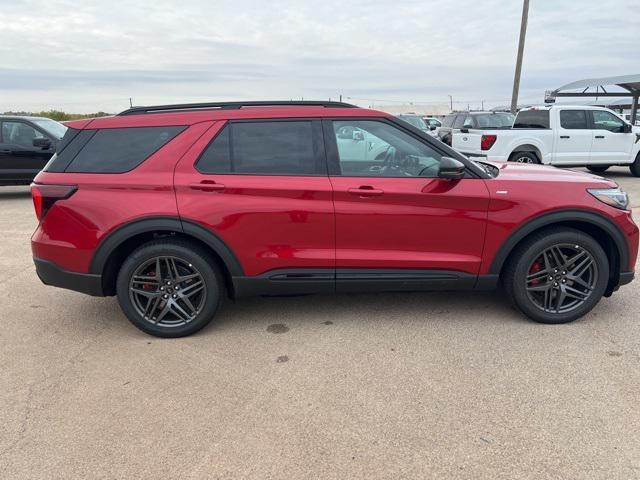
52 274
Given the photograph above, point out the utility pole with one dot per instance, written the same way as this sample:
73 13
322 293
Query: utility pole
340 98
516 79
130 102
483 105
451 102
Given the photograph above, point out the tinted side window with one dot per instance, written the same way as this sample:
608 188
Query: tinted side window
20 134
448 120
573 119
532 119
268 148
117 150
607 121
459 121
72 142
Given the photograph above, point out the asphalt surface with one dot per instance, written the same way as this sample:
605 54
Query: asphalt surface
392 386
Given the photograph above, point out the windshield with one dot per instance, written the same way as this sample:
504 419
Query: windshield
415 121
495 120
51 126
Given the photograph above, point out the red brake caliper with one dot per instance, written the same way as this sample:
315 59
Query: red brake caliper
536 267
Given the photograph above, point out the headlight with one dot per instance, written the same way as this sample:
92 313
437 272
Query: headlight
616 197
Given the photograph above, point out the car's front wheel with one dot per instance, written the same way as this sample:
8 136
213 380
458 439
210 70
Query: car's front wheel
524 157
170 288
557 275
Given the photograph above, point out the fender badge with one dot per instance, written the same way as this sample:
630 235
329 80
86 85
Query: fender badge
502 192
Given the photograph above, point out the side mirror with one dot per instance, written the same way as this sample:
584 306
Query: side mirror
627 128
43 143
358 136
451 169
432 127
464 130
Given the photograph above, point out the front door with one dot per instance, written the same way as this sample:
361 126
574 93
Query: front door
20 159
262 188
397 222
610 142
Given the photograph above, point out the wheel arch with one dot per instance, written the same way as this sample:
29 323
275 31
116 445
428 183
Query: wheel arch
527 147
118 244
605 232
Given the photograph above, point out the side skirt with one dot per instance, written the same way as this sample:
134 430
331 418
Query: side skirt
303 281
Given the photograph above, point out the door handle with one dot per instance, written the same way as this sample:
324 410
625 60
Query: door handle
207 186
365 191
565 136
599 136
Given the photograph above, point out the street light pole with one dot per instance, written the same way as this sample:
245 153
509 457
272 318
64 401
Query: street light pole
523 32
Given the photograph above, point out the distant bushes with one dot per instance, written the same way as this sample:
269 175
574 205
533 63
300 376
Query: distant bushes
60 116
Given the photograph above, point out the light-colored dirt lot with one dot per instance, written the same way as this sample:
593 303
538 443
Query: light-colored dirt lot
438 385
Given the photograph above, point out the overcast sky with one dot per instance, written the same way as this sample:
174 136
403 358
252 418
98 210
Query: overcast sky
85 56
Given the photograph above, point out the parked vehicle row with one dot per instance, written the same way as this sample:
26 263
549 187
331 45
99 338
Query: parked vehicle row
172 208
456 122
594 137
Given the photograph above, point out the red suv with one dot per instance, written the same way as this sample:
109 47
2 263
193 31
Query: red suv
174 207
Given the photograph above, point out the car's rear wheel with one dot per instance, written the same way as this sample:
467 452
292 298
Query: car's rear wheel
557 275
170 288
524 157
598 168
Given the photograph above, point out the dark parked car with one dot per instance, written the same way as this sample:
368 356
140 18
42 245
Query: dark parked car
26 145
455 122
172 208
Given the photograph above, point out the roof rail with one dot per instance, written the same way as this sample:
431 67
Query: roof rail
231 105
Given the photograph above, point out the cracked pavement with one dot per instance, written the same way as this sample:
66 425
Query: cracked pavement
402 385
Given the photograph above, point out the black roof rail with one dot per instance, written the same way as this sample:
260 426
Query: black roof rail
232 105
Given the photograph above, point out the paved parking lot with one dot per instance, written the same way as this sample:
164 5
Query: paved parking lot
437 385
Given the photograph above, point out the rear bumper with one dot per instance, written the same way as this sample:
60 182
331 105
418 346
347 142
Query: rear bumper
52 274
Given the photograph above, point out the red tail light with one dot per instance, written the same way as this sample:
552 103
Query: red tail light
487 141
44 196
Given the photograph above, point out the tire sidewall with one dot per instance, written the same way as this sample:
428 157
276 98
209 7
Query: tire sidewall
527 257
206 267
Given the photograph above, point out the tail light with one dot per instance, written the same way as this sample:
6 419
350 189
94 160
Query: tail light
44 196
487 141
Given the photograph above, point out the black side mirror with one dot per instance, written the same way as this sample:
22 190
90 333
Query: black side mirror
43 143
432 128
451 169
627 128
464 130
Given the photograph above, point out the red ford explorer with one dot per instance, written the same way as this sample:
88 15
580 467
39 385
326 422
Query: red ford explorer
174 207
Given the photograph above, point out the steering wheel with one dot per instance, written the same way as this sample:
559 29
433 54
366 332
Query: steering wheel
389 156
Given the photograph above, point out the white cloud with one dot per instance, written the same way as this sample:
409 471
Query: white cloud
91 55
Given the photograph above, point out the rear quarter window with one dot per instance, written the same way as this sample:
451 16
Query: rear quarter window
532 119
115 150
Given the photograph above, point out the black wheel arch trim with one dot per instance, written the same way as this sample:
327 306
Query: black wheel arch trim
147 225
552 218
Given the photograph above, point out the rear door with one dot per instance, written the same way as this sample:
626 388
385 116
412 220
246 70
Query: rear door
573 138
262 188
610 142
20 159
396 222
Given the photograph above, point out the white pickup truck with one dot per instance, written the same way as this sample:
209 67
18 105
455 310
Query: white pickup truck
558 135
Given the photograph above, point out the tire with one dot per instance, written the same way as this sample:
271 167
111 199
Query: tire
635 166
598 168
530 289
183 299
524 157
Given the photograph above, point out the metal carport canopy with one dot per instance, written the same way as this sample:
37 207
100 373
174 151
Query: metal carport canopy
630 83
